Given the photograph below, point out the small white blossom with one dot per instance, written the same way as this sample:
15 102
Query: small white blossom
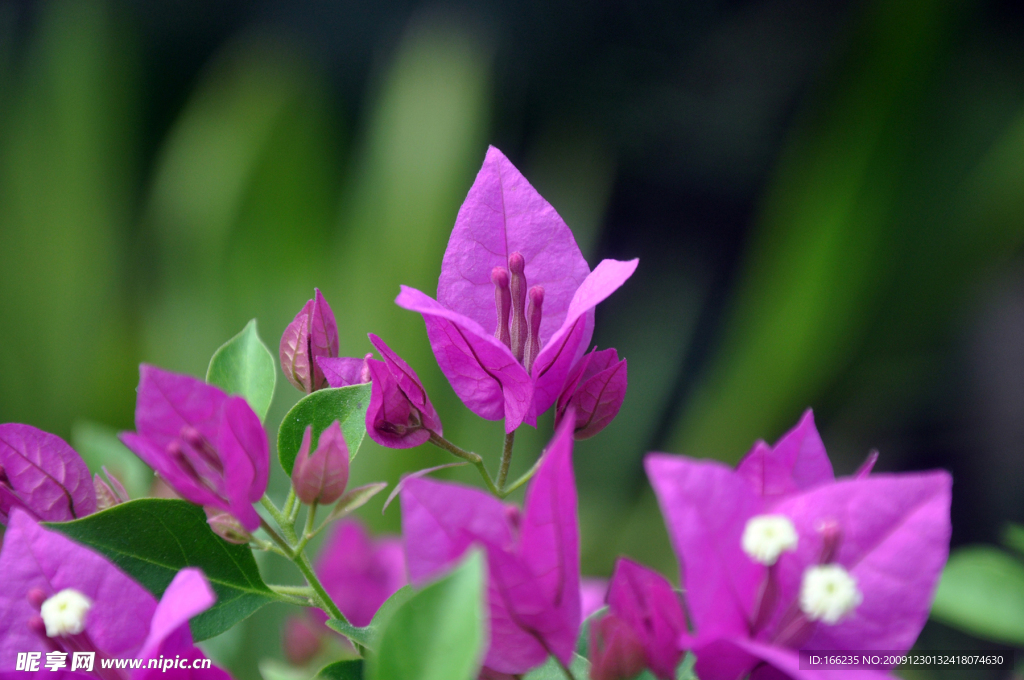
828 593
765 537
64 613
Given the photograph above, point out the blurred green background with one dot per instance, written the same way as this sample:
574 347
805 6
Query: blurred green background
827 200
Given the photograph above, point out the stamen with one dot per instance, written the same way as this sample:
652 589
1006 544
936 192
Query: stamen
765 537
517 286
831 536
197 441
533 313
36 597
64 613
828 593
502 303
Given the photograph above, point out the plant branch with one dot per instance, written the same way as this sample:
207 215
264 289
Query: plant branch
506 459
474 458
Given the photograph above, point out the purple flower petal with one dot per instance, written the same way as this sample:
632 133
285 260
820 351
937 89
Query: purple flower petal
706 507
323 336
187 595
797 462
894 540
503 214
390 416
44 474
551 542
294 351
344 371
230 472
168 401
34 557
568 343
409 383
645 600
482 370
596 388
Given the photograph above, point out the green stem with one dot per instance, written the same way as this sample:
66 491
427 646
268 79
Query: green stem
506 459
474 458
324 600
285 546
298 591
308 532
290 509
527 476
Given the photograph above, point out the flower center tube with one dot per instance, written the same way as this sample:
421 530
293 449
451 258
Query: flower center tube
61 625
518 310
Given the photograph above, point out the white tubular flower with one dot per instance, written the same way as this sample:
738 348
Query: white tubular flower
64 613
765 537
828 593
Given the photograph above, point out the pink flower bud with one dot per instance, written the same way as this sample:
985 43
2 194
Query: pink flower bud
596 386
616 652
108 495
400 414
227 527
301 641
322 476
312 334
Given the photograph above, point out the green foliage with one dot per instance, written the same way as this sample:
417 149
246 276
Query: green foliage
351 669
243 365
440 632
151 539
982 593
347 405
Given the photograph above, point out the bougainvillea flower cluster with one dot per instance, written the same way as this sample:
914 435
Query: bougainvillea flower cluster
778 556
210 447
515 301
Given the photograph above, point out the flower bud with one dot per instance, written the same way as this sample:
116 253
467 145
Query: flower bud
322 476
227 526
596 387
312 334
616 652
109 491
400 414
301 641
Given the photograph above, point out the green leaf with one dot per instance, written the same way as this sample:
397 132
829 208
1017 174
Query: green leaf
351 669
151 539
685 670
243 365
347 405
551 670
439 633
982 592
367 635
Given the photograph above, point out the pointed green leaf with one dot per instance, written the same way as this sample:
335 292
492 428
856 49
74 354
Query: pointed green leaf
152 539
982 593
243 365
350 669
367 635
440 632
347 405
